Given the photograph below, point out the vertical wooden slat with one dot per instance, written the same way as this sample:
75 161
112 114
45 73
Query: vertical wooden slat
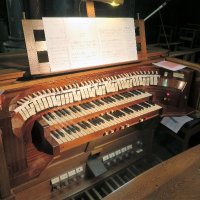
90 8
142 39
30 44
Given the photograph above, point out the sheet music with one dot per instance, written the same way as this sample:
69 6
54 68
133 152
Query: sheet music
57 39
170 65
85 42
175 123
117 39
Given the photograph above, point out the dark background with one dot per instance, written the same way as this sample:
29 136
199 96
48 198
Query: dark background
176 12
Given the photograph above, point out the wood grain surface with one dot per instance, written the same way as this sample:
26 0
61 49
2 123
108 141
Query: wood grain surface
176 179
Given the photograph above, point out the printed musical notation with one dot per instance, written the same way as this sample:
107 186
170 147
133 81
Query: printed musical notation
87 42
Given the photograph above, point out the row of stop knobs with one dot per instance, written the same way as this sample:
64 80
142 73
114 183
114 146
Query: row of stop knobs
125 155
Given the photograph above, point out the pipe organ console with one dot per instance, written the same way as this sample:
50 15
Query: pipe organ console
63 134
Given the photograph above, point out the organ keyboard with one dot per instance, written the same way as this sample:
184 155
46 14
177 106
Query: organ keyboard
41 100
63 134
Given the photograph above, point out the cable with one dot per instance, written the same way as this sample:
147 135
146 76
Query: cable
132 5
79 8
163 27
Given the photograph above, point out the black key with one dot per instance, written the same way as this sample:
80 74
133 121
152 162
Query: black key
58 113
134 108
92 106
96 103
75 127
110 117
98 121
127 110
125 95
60 133
77 108
114 115
151 103
68 131
86 124
47 117
100 102
66 111
120 97
92 121
116 97
84 106
135 92
73 109
82 125
141 91
101 120
131 94
55 134
106 117
124 110
112 99
144 105
71 129
63 112
138 107
122 114
105 100
52 116
88 106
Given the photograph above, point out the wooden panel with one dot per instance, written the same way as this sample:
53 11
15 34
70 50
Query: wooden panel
10 75
143 39
191 65
41 46
30 43
90 8
177 178
4 178
37 24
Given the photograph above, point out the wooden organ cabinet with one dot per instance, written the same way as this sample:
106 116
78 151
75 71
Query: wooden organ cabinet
65 133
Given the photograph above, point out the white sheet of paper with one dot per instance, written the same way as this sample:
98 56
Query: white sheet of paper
170 65
86 42
175 123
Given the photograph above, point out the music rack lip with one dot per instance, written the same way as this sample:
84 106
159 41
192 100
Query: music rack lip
43 68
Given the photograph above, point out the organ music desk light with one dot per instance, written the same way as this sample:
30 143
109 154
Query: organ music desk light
111 2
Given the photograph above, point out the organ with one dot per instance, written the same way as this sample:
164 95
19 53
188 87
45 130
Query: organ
63 134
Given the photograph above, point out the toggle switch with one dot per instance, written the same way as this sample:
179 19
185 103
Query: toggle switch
55 183
64 180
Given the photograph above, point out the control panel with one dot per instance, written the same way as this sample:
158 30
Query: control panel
67 178
122 154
